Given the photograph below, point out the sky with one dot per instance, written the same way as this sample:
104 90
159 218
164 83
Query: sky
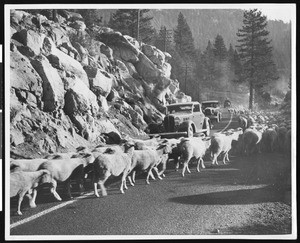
277 11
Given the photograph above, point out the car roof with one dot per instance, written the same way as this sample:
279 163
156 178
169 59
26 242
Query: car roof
184 103
210 101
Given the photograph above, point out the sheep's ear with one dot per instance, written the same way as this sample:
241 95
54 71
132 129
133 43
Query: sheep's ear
46 172
87 155
161 146
202 135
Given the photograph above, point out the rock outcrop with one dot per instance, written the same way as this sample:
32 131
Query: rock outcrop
69 89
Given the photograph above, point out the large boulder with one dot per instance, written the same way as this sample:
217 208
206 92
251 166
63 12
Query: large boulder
17 15
154 54
82 52
100 81
70 16
79 99
67 63
78 25
122 48
59 35
133 41
23 76
166 69
146 68
31 39
107 51
53 88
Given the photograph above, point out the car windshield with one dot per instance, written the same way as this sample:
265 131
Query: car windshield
214 104
179 108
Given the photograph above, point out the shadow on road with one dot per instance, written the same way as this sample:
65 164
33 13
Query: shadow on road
248 196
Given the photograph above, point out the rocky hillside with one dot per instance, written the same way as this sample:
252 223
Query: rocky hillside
69 88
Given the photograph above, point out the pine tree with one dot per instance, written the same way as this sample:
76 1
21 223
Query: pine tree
163 40
209 64
255 53
183 38
128 23
90 16
230 54
220 50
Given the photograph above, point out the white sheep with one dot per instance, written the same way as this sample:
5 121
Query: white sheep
22 182
62 169
222 143
60 155
25 164
194 147
176 152
115 164
139 143
147 160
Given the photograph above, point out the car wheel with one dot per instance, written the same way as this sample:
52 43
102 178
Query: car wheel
190 131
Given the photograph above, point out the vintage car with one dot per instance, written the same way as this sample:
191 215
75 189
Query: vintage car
212 110
184 119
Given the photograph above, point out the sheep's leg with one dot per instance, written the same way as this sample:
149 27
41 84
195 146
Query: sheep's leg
20 199
224 157
185 166
53 190
125 174
176 162
32 199
149 174
96 189
163 169
103 189
215 159
123 185
80 180
68 187
156 170
133 176
198 164
202 164
130 180
227 156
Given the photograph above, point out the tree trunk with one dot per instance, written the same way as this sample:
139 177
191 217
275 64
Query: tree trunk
54 15
251 97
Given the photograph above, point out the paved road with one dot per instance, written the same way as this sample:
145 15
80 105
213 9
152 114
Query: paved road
197 204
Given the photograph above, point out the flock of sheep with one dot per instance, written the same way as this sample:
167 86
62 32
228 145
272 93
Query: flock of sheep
257 132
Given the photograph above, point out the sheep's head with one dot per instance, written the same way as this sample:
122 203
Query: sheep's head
45 177
165 147
207 142
129 146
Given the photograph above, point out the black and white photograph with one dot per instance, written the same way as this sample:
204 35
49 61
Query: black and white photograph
142 121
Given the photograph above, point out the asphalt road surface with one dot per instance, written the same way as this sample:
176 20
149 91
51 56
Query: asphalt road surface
220 200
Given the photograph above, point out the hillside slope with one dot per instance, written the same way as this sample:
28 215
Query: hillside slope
69 88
